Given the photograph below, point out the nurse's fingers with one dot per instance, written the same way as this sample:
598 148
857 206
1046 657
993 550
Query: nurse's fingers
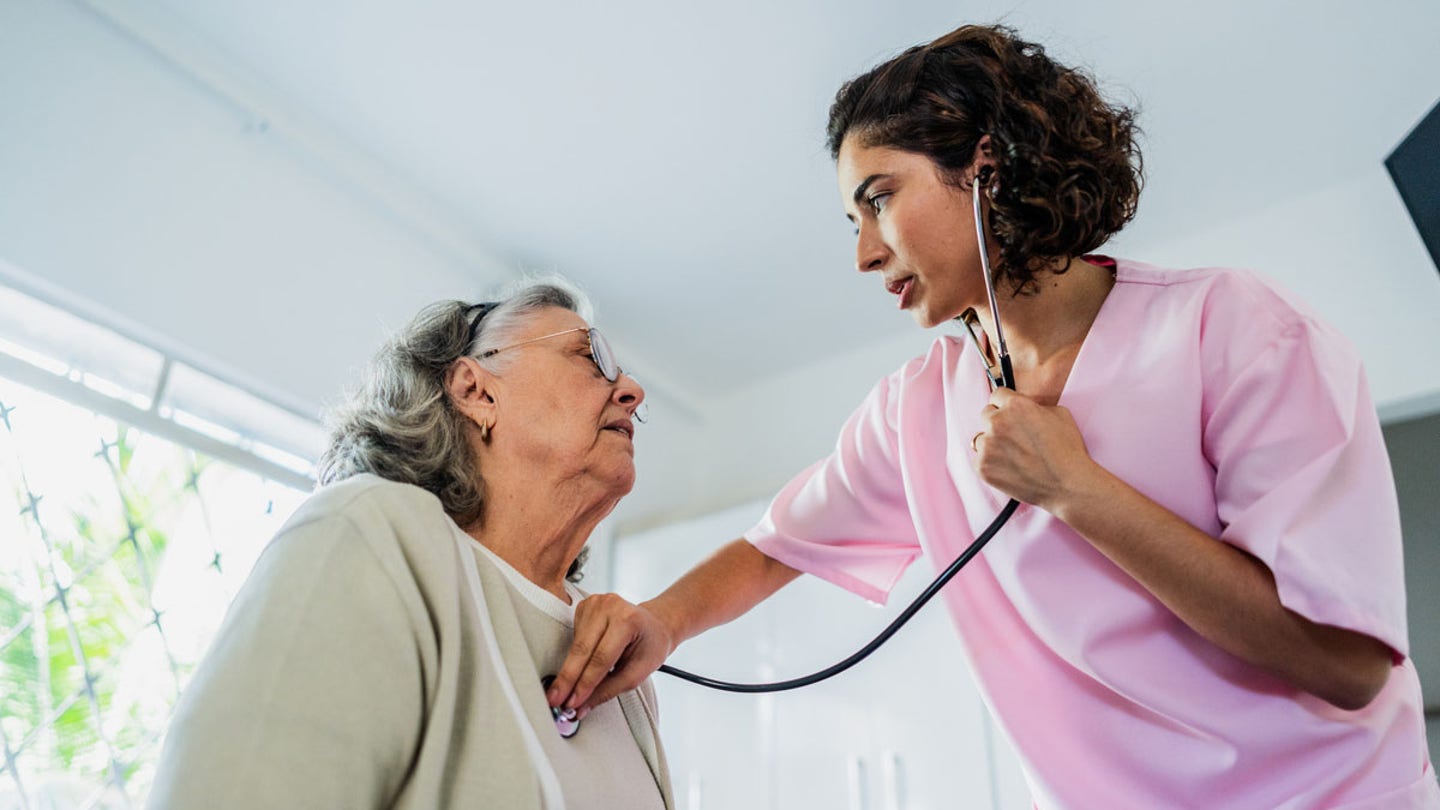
1001 396
607 630
1007 408
631 671
585 664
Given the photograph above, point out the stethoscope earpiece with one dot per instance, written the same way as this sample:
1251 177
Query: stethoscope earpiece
566 721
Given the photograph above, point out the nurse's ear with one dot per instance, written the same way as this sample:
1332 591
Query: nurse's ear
983 164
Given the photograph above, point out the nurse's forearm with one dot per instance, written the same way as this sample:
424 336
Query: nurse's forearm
617 645
722 588
1224 594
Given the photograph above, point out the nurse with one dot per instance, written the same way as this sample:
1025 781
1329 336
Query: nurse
1201 601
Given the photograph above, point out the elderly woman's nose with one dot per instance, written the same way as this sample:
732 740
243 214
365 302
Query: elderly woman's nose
628 390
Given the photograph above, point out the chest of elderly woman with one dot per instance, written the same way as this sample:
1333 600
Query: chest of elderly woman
603 764
461 723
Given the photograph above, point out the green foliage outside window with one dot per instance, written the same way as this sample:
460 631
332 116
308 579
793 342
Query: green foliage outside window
119 553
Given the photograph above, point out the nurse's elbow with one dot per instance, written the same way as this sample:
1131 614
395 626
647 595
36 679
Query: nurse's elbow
1360 682
1345 668
1355 698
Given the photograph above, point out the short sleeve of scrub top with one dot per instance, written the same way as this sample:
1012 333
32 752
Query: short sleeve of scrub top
1302 478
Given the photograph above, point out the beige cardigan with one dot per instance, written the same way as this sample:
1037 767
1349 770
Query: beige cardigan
355 670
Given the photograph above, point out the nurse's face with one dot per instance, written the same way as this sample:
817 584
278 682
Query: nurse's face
913 229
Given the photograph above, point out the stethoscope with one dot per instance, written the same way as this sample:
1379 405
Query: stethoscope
565 719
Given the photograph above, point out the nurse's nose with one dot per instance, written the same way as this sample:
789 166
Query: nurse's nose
870 250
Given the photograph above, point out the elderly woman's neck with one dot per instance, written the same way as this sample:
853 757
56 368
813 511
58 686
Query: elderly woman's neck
539 536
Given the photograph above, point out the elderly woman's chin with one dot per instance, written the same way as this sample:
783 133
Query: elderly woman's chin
616 466
622 478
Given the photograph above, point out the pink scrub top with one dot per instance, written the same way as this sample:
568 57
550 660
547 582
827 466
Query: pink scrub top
1235 408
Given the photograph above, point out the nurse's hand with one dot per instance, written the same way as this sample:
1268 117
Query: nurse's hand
617 645
1034 453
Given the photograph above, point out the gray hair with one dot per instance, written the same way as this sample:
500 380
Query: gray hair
399 423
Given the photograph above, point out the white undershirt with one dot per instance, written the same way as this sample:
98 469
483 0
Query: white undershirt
601 767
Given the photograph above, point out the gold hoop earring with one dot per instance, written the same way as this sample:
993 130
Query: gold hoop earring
484 432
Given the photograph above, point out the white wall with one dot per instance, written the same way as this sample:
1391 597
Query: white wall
126 183
754 439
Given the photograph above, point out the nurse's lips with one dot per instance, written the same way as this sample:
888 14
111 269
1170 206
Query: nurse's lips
903 288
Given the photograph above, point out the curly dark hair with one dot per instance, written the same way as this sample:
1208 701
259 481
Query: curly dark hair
1068 168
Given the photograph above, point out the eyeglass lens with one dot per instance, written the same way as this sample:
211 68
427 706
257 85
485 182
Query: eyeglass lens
604 357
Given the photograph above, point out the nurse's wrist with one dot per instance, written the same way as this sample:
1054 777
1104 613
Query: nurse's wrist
1086 488
670 623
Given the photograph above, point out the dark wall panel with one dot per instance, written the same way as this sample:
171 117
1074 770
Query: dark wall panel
1415 168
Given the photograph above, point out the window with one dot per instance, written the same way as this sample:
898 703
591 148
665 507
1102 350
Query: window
135 494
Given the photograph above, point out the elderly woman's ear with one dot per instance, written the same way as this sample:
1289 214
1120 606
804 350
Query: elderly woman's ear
467 385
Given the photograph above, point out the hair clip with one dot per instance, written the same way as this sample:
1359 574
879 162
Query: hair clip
483 309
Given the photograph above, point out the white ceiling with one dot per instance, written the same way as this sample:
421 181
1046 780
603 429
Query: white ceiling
670 156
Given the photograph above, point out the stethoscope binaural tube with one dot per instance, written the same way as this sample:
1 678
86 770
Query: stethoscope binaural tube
1006 372
1007 380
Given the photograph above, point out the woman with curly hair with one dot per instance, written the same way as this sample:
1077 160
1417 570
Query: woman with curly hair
1201 601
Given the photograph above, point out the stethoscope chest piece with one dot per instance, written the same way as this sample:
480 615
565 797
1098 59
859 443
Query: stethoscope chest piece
566 721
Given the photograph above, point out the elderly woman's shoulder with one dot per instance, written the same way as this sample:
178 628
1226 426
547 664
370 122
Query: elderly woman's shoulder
364 498
399 523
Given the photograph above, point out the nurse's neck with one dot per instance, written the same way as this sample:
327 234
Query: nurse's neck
1050 323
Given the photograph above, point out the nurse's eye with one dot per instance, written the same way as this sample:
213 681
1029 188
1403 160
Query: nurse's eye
877 202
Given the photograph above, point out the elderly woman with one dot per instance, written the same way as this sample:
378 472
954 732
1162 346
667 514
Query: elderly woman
390 646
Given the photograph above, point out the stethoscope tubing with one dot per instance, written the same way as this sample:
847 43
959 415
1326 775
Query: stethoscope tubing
863 652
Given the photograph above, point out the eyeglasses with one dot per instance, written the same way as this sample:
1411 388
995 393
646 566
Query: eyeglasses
600 351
